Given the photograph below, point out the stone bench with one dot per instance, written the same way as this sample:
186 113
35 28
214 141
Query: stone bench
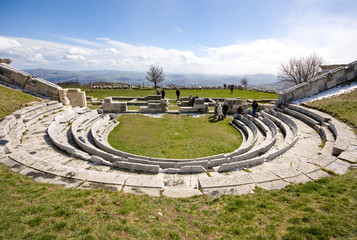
78 130
261 148
305 118
342 140
58 135
60 170
47 109
289 127
310 112
249 138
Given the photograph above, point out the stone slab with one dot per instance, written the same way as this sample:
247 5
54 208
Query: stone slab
322 160
317 174
278 184
8 161
302 178
337 168
149 181
285 172
179 192
38 176
44 153
226 181
109 178
180 180
91 185
234 190
66 182
259 177
306 167
348 156
155 192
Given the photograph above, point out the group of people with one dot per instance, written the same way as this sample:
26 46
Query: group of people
163 93
191 100
220 110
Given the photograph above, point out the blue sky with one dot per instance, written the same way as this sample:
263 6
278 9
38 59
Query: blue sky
183 36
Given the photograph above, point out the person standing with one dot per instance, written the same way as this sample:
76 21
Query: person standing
190 101
91 87
232 87
163 93
225 109
255 107
220 112
178 94
216 110
240 111
193 101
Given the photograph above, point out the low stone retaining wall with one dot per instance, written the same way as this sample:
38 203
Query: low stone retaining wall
38 86
319 84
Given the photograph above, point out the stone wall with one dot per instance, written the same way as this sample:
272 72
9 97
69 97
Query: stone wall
337 76
110 106
38 86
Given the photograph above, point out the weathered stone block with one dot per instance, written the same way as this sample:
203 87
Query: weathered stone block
153 97
6 79
76 97
20 78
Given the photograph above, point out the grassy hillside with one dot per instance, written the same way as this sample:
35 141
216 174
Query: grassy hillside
12 100
322 209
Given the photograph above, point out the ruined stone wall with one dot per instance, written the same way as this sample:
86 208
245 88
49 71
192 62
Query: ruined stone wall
38 86
319 84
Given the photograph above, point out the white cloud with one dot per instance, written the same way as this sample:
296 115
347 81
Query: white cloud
81 41
333 38
104 39
37 58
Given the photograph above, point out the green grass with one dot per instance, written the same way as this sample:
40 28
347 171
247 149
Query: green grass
171 94
174 136
321 209
12 100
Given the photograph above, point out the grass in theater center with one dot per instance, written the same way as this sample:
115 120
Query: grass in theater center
174 136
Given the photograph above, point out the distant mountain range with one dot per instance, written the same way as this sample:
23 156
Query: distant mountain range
138 78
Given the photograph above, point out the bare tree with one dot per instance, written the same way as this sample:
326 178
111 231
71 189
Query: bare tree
300 70
244 82
155 75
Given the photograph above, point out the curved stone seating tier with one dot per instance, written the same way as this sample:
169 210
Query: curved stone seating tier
20 120
176 165
339 130
44 149
290 130
248 135
289 127
260 148
57 132
173 165
79 133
